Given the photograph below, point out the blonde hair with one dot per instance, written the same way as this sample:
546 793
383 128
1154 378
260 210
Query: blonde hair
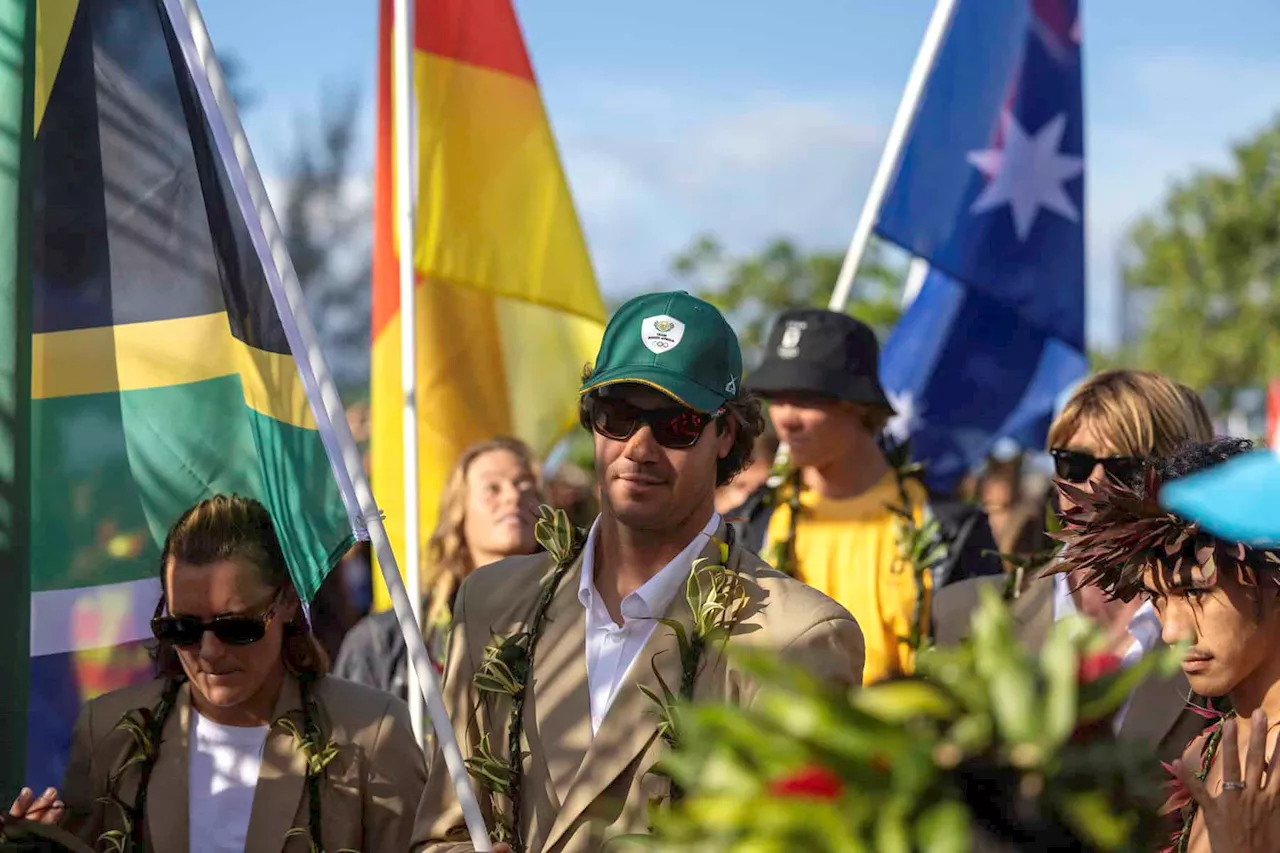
1199 413
448 558
1138 412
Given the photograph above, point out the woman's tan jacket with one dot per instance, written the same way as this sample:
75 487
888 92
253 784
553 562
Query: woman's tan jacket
368 796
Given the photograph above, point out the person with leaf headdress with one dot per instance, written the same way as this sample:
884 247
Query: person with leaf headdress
567 669
1219 597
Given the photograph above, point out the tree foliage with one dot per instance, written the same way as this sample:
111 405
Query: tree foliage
325 218
752 290
1208 266
233 75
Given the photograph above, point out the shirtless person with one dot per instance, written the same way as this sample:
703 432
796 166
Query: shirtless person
1220 597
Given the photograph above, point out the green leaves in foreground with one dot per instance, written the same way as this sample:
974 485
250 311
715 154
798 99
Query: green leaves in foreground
983 735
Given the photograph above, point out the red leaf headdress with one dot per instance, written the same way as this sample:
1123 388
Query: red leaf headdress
1115 533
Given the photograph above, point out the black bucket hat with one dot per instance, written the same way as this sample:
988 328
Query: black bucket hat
812 351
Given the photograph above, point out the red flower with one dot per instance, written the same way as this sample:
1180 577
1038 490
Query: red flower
812 781
1097 665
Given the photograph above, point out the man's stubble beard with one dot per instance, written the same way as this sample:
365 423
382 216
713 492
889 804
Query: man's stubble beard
659 518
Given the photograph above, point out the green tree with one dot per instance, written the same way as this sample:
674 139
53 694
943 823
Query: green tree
1208 265
233 75
752 290
325 219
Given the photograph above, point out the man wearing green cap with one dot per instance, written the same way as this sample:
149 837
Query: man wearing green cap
670 424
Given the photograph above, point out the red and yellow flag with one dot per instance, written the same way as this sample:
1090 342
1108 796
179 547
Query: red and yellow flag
508 310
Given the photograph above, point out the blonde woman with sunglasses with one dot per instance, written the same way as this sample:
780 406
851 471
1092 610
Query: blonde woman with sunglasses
1113 423
242 742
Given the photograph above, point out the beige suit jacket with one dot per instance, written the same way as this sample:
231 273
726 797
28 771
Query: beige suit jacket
367 799
1158 713
581 790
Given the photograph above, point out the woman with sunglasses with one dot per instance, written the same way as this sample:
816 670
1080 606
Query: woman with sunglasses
242 742
1109 427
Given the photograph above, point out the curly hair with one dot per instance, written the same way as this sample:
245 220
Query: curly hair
744 414
747 419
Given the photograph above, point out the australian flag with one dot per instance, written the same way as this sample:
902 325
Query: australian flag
989 190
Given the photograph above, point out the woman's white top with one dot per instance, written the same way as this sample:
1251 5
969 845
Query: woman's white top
224 774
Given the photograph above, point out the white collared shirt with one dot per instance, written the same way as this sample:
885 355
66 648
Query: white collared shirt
1144 627
612 648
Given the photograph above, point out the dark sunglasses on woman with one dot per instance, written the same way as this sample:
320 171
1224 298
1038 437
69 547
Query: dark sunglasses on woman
1075 466
676 427
237 629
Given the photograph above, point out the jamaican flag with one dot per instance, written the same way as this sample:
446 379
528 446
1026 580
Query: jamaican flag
160 373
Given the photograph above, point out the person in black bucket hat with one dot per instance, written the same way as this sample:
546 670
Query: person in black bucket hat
829 522
824 354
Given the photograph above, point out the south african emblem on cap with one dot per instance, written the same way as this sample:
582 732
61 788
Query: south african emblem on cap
661 333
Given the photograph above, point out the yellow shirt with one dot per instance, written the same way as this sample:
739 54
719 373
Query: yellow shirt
848 549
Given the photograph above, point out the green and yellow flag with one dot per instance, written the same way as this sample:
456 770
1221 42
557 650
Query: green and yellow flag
160 373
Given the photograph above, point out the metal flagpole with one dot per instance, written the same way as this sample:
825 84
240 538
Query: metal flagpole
405 198
933 34
344 455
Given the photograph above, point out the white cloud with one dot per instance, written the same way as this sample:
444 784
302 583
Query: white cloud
651 169
652 166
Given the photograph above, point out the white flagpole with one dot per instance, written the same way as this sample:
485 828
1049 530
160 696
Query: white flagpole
917 272
405 199
344 455
933 34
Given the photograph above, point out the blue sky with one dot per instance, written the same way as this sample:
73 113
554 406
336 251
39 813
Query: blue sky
751 119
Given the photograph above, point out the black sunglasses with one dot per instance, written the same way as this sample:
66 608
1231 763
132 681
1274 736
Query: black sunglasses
235 629
677 427
1075 466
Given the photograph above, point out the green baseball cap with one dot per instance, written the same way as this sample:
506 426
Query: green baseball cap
674 342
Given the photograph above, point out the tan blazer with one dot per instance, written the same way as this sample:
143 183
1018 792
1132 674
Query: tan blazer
1158 713
581 790
367 798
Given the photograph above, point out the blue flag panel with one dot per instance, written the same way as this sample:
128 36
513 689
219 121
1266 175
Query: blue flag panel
990 191
961 371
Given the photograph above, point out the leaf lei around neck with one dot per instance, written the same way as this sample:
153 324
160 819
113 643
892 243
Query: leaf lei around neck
717 598
1182 839
505 670
920 547
319 752
783 488
145 727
